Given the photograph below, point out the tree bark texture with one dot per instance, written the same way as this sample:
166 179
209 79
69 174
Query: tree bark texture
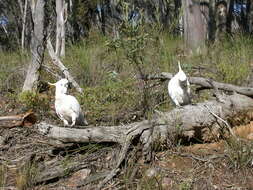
194 27
60 28
250 16
189 121
221 19
23 10
37 45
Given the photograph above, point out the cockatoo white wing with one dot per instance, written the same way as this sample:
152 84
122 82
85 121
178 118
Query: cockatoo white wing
67 107
175 91
179 88
76 108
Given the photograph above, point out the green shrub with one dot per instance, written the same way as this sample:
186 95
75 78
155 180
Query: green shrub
12 67
239 152
34 101
112 101
232 59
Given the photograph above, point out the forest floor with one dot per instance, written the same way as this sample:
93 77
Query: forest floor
219 165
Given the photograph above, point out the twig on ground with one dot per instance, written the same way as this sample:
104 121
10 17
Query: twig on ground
225 122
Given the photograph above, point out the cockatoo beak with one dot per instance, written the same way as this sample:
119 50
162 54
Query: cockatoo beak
51 84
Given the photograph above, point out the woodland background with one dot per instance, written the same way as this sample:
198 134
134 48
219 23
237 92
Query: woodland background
114 53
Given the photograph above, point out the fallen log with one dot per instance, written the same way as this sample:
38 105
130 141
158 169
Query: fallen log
26 119
205 83
190 121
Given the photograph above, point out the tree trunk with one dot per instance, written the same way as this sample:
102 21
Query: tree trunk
177 16
230 16
37 45
23 12
249 16
194 27
60 29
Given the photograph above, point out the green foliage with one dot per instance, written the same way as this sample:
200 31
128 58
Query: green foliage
114 99
239 152
34 101
186 185
232 59
12 70
90 61
133 39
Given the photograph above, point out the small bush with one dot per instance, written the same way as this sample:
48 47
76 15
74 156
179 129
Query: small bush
232 59
12 71
34 101
239 152
113 101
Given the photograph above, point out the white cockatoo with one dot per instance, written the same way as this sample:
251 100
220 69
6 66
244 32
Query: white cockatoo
179 88
66 106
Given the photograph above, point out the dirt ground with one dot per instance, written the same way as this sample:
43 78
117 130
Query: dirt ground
219 165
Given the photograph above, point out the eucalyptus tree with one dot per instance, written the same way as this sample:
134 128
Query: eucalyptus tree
194 27
38 43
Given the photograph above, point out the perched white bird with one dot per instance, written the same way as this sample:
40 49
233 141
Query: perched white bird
179 88
66 106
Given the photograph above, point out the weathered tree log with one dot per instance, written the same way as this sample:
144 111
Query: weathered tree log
26 119
190 118
53 172
189 121
205 83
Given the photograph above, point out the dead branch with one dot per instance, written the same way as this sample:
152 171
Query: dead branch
91 134
59 64
53 172
205 83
